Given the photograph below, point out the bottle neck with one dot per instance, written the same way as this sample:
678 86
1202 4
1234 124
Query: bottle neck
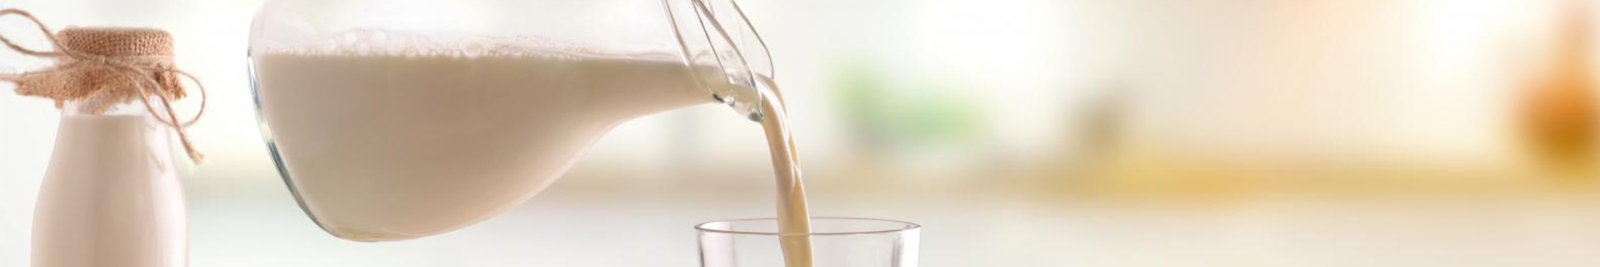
86 108
115 131
129 117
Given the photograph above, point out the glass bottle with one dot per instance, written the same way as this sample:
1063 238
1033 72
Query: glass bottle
111 196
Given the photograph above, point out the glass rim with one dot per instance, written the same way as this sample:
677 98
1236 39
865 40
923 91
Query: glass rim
907 226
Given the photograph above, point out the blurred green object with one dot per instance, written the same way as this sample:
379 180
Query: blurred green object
885 113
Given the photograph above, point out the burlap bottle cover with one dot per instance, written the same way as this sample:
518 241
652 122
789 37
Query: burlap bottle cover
98 68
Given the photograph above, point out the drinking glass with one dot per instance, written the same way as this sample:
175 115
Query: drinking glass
835 242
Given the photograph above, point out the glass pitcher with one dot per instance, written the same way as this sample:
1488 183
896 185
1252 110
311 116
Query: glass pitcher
392 120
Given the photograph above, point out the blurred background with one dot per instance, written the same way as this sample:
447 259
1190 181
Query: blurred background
1017 132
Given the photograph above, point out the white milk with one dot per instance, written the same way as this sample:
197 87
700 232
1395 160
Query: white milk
793 213
396 147
110 197
388 147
